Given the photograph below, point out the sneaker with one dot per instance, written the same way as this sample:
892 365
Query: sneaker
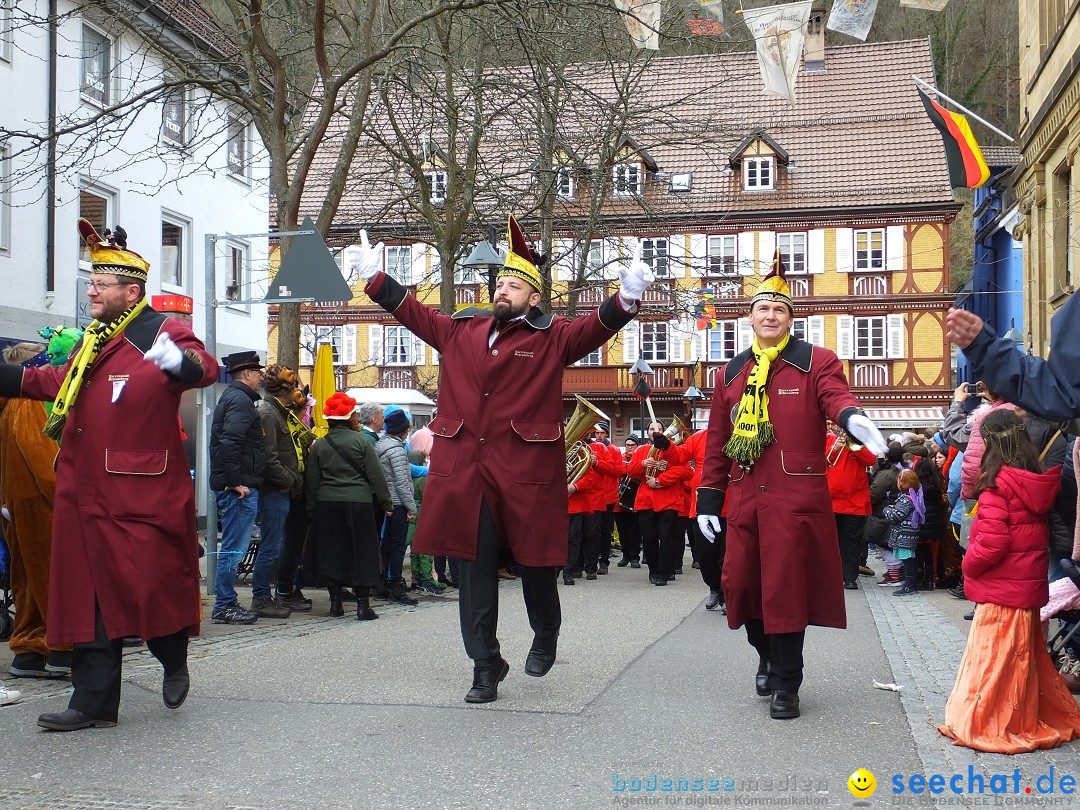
233 614
31 665
958 592
590 575
635 564
713 600
8 695
970 615
891 579
268 608
428 588
603 569
58 661
293 603
905 590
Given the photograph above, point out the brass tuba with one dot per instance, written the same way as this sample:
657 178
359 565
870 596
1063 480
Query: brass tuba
677 432
581 424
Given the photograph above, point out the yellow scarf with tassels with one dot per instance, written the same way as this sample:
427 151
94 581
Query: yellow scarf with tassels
753 431
94 339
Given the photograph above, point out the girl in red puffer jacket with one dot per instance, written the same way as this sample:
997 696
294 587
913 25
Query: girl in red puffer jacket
1008 696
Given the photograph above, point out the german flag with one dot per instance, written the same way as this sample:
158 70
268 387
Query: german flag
967 169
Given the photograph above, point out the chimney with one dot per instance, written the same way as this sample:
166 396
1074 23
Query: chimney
814 48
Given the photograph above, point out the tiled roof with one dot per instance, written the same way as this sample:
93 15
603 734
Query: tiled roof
192 17
858 139
1001 156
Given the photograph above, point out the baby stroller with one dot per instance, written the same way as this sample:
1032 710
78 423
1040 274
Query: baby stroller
7 623
1064 605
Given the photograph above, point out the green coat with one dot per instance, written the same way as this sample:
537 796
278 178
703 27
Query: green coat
330 477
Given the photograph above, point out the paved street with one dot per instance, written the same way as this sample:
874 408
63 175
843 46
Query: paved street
320 712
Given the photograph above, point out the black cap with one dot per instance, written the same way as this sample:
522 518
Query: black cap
239 361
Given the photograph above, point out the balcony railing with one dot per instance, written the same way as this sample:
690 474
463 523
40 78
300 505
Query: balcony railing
397 377
613 380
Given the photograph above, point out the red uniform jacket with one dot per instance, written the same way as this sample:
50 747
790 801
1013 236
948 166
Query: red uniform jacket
610 468
124 532
849 487
583 500
498 431
1009 551
669 495
783 561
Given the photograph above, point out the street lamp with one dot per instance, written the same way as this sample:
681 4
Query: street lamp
641 368
1016 336
694 395
487 257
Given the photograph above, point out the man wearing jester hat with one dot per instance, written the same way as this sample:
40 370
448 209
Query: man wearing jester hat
497 481
125 559
765 460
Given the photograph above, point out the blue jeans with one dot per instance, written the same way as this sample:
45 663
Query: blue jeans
273 509
394 539
237 521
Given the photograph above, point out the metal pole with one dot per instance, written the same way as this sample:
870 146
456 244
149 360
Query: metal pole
926 85
209 403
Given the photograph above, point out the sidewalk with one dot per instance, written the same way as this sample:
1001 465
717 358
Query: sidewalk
312 711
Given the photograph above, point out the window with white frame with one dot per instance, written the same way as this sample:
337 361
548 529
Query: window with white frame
397 346
593 358
870 249
399 263
237 272
436 183
238 147
871 340
722 341
793 252
654 341
98 207
626 179
5 198
172 254
469 275
342 339
654 252
97 67
6 12
722 259
564 182
800 328
174 114
757 174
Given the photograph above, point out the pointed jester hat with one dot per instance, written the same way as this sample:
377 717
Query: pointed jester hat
107 257
773 287
520 261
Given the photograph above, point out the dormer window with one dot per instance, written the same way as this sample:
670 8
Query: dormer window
626 179
436 181
758 174
564 182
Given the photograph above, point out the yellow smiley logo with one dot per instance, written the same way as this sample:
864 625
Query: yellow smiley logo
862 784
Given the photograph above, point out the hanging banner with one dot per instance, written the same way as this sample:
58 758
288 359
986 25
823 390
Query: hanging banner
852 17
642 20
713 26
927 5
778 33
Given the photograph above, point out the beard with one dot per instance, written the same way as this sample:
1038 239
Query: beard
505 311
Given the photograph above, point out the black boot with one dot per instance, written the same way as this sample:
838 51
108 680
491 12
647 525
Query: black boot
541 656
486 679
398 595
364 613
336 608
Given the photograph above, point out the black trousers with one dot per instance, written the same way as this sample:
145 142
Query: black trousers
292 547
478 595
583 541
850 532
657 537
783 651
96 668
629 534
710 556
607 533
679 542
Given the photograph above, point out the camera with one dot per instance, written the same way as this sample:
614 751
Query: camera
972 388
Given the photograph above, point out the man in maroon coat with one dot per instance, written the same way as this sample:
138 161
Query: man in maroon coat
498 464
765 456
125 558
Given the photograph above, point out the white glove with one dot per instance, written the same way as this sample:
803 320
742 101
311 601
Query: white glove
366 261
709 525
4 511
866 432
634 279
165 354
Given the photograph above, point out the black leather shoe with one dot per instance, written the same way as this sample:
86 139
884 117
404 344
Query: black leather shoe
635 564
175 687
486 680
567 579
761 679
71 720
712 600
625 561
851 586
541 657
784 706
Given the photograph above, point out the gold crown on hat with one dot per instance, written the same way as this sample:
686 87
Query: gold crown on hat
109 258
773 287
519 258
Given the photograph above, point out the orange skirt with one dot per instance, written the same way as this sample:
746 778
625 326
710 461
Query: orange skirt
1008 698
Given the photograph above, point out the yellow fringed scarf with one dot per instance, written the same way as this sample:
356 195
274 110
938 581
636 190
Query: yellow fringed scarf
753 431
94 339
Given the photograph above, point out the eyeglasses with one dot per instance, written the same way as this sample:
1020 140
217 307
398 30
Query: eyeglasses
98 286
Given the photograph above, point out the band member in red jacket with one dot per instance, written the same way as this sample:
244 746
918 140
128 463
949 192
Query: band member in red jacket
662 469
849 489
610 466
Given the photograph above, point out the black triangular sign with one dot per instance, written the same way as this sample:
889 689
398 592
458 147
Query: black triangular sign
309 272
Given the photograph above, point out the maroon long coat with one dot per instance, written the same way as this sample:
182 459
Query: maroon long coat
124 532
783 560
498 430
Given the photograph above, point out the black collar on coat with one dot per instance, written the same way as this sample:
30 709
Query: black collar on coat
143 329
798 353
537 318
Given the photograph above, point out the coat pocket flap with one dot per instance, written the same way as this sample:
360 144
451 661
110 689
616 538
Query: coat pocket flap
537 431
136 462
445 425
802 463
